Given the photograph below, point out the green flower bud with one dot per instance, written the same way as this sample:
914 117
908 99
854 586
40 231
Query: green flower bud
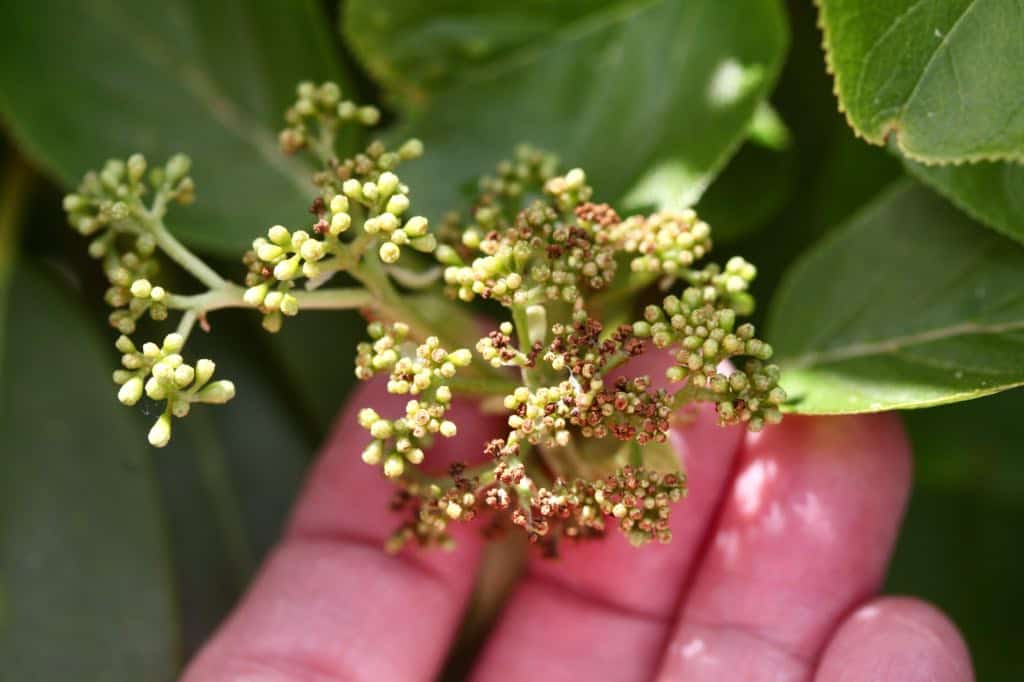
124 344
160 433
289 305
272 322
461 357
177 168
269 252
158 293
136 167
353 189
204 371
340 222
173 343
280 235
394 466
287 269
368 116
141 288
217 392
75 202
424 244
398 204
339 204
381 429
131 391
183 375
312 250
389 252
411 149
373 453
575 179
387 183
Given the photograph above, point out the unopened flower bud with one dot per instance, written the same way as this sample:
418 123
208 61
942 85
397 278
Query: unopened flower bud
131 391
160 433
217 393
389 252
394 466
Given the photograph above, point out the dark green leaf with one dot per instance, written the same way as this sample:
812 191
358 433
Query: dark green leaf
907 305
943 76
991 192
84 570
83 81
650 97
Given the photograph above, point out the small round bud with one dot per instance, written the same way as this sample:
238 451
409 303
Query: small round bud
416 226
575 178
394 466
280 235
411 149
183 375
461 357
269 252
353 189
448 429
381 429
312 250
368 116
339 204
141 288
254 295
158 293
373 453
289 305
287 269
387 183
389 252
398 204
340 222
177 168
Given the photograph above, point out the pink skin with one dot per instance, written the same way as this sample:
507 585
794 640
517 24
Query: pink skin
777 555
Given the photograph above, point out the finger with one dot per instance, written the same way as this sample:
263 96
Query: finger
805 534
330 603
608 591
896 640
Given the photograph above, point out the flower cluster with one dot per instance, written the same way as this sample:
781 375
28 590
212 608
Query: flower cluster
585 441
161 372
420 371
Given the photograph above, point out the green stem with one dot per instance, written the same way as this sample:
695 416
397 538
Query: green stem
177 252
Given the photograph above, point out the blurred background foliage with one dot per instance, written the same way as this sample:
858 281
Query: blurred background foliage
116 561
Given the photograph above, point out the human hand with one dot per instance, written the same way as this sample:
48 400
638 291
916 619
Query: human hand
772 574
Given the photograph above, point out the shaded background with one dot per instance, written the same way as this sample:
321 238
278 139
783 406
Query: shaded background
160 544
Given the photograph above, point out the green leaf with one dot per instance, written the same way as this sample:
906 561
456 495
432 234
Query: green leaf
650 97
83 81
942 76
990 192
750 191
907 305
84 574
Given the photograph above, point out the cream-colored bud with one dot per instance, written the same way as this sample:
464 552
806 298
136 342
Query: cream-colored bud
141 288
254 295
389 252
280 235
160 433
394 466
340 223
217 393
131 391
339 204
387 183
204 371
183 375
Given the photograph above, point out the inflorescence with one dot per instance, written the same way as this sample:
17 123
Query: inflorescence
580 428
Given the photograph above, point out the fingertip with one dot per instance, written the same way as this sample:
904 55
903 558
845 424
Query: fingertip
896 639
